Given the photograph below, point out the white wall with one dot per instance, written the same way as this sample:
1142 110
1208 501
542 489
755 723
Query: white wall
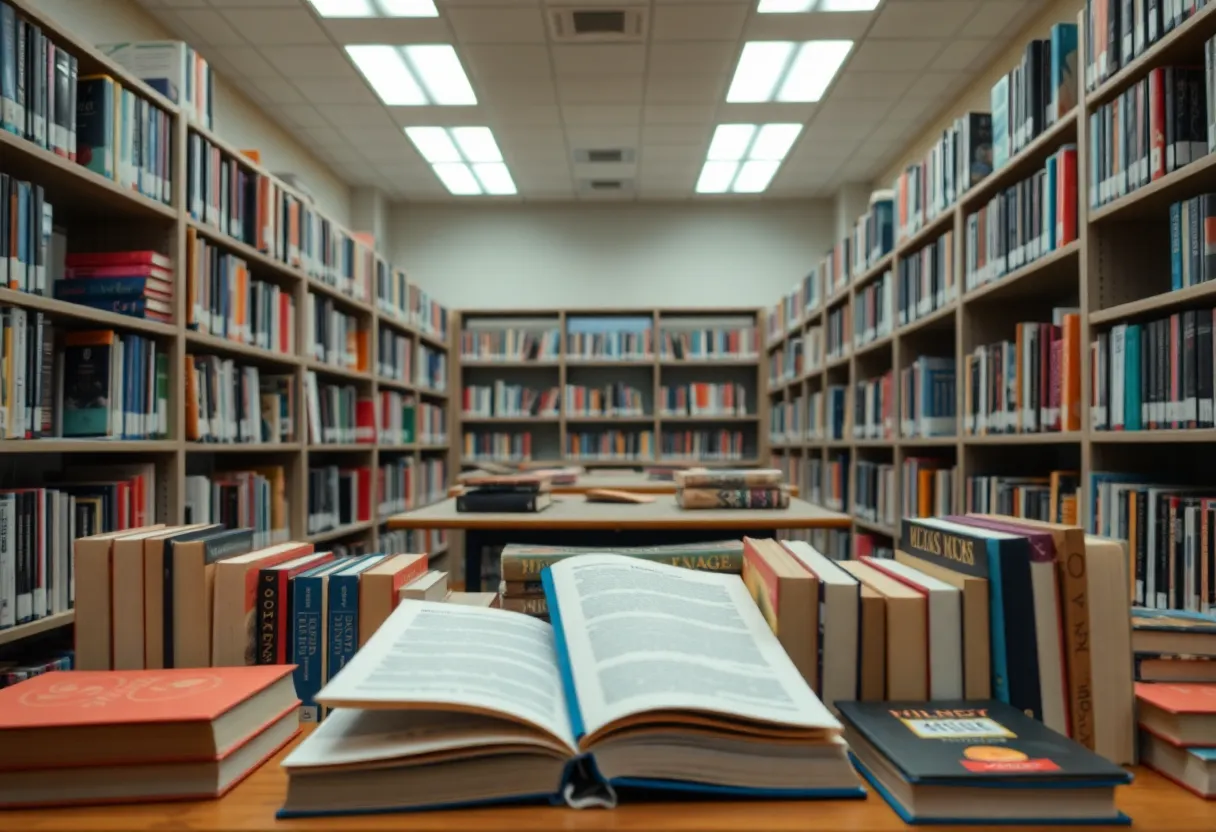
615 254
237 120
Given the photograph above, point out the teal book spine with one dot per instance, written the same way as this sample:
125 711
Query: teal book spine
306 642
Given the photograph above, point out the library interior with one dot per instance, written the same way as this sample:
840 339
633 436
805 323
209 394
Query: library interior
711 412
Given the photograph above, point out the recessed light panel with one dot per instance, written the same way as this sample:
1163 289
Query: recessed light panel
775 70
466 159
743 158
412 76
375 8
796 6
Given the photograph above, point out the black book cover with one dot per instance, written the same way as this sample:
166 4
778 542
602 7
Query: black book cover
1141 542
477 501
268 615
960 742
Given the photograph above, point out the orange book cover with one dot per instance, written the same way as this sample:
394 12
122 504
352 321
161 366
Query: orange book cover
88 698
1178 699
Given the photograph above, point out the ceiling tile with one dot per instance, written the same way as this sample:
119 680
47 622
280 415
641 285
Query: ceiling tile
936 85
961 54
593 58
759 113
601 89
506 60
497 25
505 91
277 90
698 22
845 112
934 19
438 116
211 27
686 89
601 137
247 61
337 91
525 114
675 134
362 116
277 26
327 137
678 113
579 115
874 55
240 4
398 30
814 26
992 18
309 61
708 57
302 115
878 86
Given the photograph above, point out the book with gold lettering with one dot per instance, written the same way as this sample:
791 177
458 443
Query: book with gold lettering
452 705
524 562
978 762
1004 560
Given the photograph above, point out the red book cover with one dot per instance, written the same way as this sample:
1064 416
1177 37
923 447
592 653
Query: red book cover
118 258
1176 699
282 611
1066 197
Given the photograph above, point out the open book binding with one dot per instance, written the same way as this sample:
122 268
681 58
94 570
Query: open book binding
650 677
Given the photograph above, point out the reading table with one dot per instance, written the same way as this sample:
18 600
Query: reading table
572 521
1152 802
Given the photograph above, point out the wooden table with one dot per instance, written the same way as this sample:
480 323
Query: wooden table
1152 802
632 481
573 521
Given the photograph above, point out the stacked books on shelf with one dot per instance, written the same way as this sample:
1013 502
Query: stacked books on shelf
874 233
432 424
109 129
505 493
957 161
509 400
1053 498
1175 646
34 663
339 496
134 283
1040 91
115 385
610 445
427 314
497 446
927 398
874 407
396 419
394 355
337 414
138 726
224 300
927 280
703 445
173 69
814 761
761 488
709 344
333 336
251 499
927 489
1178 732
703 398
1029 385
872 315
431 369
875 493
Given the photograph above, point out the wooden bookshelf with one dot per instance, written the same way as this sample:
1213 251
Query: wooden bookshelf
97 214
649 374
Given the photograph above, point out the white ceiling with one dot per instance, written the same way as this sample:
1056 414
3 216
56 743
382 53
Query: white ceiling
544 100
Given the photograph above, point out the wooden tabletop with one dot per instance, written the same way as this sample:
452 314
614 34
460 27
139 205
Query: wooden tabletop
573 512
1152 802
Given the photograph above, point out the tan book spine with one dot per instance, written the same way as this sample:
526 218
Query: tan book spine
378 588
907 650
93 604
873 646
1111 650
529 604
742 498
127 599
788 597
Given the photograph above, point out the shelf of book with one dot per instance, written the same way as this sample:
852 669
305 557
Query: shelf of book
552 361
37 627
202 245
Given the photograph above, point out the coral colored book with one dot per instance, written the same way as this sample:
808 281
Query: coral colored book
113 717
1179 714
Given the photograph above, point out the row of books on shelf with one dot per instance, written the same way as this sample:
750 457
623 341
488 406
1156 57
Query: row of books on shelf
927 398
394 351
925 489
632 342
513 400
1024 222
227 402
1052 498
34 662
874 407
608 445
695 445
405 483
928 188
703 398
1029 385
500 399
926 280
409 303
1154 374
253 499
1157 125
616 399
340 414
223 299
1117 35
837 333
872 311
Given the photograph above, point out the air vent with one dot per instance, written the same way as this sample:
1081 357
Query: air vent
606 184
606 187
598 25
604 156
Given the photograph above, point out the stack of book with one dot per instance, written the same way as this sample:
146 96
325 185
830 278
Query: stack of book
204 596
140 736
400 738
521 566
961 761
700 488
505 493
135 283
1173 646
1178 733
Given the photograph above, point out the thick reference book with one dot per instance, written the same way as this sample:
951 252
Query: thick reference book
978 762
650 677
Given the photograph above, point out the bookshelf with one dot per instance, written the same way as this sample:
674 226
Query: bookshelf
97 214
539 352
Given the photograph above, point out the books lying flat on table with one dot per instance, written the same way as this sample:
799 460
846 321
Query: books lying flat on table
513 493
777 496
958 761
1191 768
451 705
1179 714
113 736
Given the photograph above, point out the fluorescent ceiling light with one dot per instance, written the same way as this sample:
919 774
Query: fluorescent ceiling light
495 178
411 76
466 159
375 8
477 144
795 6
385 69
457 178
438 68
754 176
716 177
434 144
777 70
774 141
730 142
761 66
743 158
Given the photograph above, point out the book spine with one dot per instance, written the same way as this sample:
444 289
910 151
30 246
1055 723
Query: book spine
529 567
308 642
267 616
342 639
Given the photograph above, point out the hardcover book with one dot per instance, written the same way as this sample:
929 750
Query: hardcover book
522 562
961 761
422 718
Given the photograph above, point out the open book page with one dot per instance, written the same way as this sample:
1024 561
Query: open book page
459 658
647 636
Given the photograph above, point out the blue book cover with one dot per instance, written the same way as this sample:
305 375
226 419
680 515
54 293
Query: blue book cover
1063 88
342 632
100 288
135 307
1131 369
308 642
8 71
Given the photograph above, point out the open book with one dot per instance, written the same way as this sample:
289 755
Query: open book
650 676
